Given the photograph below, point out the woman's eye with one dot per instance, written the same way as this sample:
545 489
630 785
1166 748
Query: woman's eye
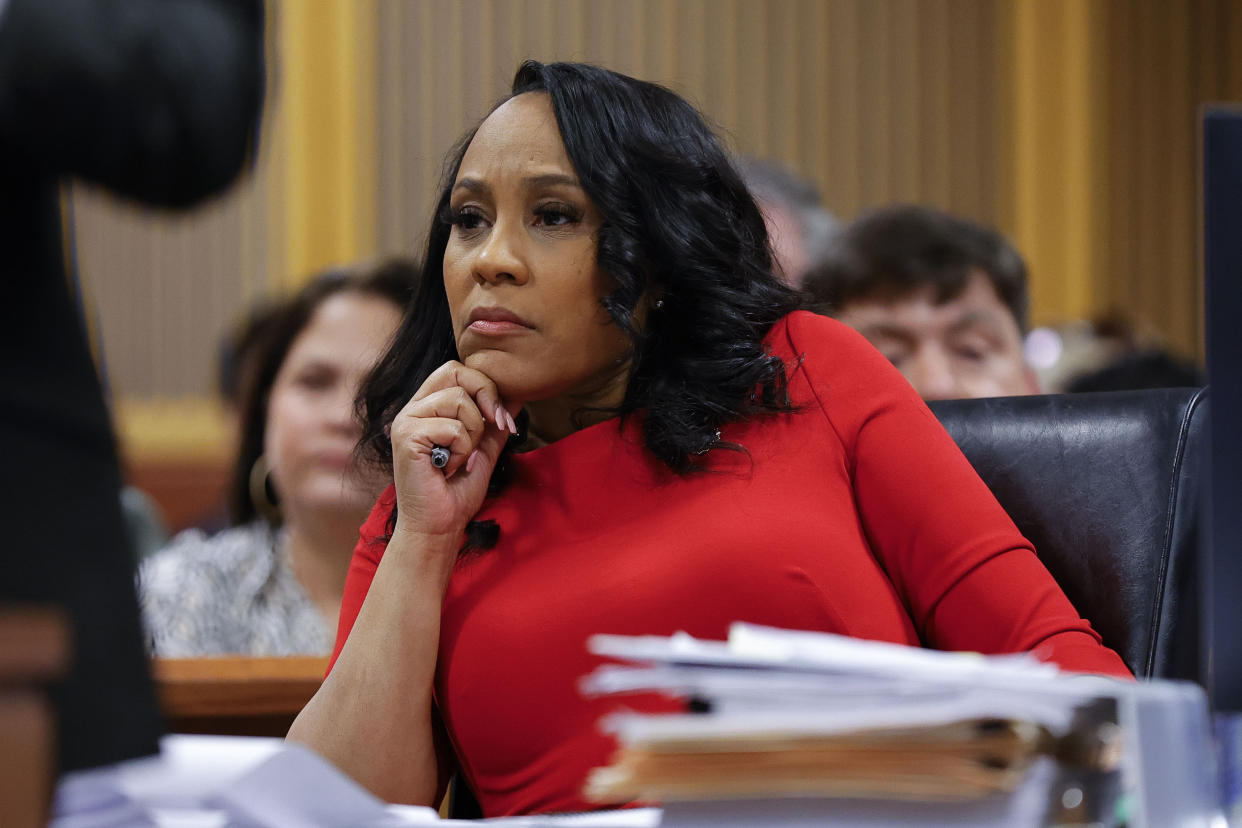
316 380
557 216
466 218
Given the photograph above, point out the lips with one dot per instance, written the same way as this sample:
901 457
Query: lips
497 321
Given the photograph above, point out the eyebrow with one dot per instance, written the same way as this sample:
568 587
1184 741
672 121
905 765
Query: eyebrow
892 331
475 185
887 330
970 320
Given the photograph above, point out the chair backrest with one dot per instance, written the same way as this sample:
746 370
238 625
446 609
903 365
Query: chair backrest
1107 486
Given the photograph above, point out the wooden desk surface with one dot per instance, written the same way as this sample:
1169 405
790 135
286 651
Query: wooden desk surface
34 650
235 695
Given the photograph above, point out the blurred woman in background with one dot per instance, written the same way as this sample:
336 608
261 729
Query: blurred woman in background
272 584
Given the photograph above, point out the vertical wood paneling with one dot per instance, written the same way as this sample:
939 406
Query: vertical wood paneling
1054 103
932 107
906 87
690 49
874 100
788 92
816 144
1163 62
875 121
843 187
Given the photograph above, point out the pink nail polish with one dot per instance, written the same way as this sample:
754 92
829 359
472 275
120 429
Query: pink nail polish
512 425
470 460
500 419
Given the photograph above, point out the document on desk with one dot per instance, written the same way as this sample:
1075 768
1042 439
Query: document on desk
244 782
805 728
763 679
217 781
809 716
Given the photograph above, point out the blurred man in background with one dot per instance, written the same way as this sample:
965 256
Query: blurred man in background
800 228
943 298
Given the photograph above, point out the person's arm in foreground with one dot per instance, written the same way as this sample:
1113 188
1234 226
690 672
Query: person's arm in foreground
373 715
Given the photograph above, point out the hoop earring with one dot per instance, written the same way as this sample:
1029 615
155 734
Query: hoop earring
262 495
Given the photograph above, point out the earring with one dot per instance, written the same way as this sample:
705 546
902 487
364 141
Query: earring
659 304
262 495
710 444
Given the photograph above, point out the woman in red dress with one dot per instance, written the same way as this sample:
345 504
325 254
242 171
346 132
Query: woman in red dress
642 435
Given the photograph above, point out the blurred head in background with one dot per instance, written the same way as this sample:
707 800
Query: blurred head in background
271 583
800 229
298 427
1110 352
945 299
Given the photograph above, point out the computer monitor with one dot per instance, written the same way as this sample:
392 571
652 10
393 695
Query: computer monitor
1222 259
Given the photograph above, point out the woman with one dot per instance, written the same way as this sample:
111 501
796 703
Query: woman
272 584
694 453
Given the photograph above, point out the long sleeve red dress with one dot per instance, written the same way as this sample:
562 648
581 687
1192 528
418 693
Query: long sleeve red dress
856 514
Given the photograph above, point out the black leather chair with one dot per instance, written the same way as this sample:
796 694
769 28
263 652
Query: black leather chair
1107 486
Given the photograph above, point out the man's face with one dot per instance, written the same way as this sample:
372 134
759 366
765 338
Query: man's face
969 346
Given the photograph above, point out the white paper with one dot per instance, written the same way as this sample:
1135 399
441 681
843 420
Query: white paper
753 646
214 781
623 818
824 684
297 788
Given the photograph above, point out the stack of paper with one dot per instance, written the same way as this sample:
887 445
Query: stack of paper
804 716
808 713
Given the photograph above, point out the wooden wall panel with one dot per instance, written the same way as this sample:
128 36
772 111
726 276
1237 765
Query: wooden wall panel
1162 62
875 100
164 286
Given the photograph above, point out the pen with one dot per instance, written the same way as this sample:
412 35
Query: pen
439 456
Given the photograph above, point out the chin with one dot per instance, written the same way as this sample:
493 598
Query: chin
504 370
337 497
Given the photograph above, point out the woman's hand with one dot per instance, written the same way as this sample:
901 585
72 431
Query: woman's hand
372 716
460 409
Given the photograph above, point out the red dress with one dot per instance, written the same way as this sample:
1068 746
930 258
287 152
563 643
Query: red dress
856 515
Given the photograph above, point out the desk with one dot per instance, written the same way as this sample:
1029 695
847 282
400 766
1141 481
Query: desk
236 695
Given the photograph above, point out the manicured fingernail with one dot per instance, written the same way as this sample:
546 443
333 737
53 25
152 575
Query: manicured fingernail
500 417
470 460
512 425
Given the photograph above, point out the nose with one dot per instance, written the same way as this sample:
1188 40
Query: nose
341 414
932 375
501 257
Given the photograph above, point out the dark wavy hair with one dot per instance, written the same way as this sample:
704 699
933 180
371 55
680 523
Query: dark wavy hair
271 332
894 251
678 224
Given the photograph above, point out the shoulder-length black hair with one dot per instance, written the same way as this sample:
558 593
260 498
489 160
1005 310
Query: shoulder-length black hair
266 338
679 226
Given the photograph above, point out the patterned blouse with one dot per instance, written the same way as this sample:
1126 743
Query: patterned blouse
233 593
